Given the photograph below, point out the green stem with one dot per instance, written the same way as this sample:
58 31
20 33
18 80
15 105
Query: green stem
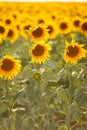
69 127
6 87
69 76
38 66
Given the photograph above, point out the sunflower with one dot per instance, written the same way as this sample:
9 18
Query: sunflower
64 26
41 18
24 27
83 27
54 15
37 76
39 33
8 20
12 34
17 26
15 14
40 52
52 29
74 52
9 67
3 30
76 23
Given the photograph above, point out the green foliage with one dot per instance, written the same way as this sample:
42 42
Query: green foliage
80 96
57 100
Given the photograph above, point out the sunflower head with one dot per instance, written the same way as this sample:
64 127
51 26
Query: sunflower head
76 23
52 29
64 26
37 76
3 30
25 28
38 33
9 67
83 27
8 20
74 52
40 52
12 34
41 18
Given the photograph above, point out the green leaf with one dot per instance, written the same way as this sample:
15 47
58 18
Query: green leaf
81 128
80 96
60 74
73 113
3 108
61 127
50 64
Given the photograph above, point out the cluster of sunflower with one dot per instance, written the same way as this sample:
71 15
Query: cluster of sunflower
62 19
39 26
39 47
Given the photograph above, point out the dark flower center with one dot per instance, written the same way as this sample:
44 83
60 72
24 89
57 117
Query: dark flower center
63 26
76 23
84 26
2 29
41 21
38 32
10 33
8 21
18 27
7 65
53 17
26 27
15 16
72 51
38 50
50 29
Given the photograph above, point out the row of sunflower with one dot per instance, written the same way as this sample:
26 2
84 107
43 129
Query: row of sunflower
63 18
43 66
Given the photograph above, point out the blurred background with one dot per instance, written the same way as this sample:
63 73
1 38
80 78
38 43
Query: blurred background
48 0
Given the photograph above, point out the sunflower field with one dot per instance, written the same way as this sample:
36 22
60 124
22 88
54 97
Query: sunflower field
43 66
